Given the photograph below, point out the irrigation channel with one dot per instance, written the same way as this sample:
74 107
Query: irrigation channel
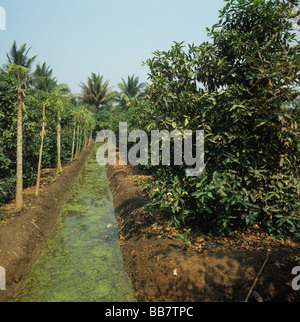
82 261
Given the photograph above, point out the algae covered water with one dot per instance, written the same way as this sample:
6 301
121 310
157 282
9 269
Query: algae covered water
82 261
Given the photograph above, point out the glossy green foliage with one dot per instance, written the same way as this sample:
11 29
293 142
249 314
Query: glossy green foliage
241 89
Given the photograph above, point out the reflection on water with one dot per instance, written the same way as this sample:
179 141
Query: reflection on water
82 260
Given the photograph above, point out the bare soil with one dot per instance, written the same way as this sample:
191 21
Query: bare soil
212 269
23 235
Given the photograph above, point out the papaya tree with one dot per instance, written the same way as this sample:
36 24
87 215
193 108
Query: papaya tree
76 115
88 126
59 104
78 131
46 101
84 125
43 83
59 107
22 75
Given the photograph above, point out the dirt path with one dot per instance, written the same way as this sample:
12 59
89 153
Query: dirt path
213 269
23 236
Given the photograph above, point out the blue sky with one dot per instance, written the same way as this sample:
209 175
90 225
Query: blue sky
111 37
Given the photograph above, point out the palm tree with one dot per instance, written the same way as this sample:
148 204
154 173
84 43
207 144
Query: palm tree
42 79
19 56
96 92
130 91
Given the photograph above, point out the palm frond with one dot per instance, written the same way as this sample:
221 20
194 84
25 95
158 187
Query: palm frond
95 92
131 90
19 56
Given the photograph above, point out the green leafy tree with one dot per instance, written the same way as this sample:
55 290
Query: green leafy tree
129 92
96 92
19 64
43 79
75 113
103 118
44 99
27 113
45 85
88 127
20 56
241 89
79 114
22 75
8 98
60 102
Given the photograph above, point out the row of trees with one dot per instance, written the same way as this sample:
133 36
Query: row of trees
109 106
42 124
97 93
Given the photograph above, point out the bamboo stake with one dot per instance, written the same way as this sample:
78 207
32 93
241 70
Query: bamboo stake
258 275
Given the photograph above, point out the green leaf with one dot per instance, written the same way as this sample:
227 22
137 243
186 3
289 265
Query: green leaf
179 237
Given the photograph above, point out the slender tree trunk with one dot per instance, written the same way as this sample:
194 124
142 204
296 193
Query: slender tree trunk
41 152
77 143
80 140
19 183
59 167
89 139
73 144
85 140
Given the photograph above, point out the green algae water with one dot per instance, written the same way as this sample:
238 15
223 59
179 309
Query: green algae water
82 261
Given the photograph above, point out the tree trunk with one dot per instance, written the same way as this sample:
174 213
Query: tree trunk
77 143
91 137
80 140
85 140
41 153
73 144
59 167
19 183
